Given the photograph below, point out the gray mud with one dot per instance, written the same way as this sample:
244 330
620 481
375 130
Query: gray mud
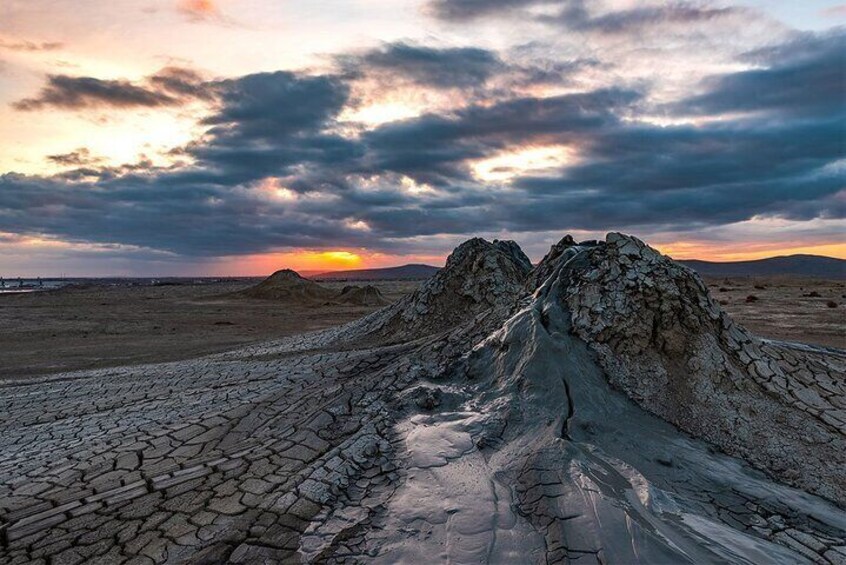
496 415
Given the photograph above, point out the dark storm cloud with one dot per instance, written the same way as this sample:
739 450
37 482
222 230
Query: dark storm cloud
434 148
270 105
554 73
269 122
777 161
468 68
577 15
712 174
82 92
805 76
171 87
780 163
181 82
429 66
460 10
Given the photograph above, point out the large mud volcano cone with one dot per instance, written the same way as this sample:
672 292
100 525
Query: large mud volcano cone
662 340
479 277
288 286
580 398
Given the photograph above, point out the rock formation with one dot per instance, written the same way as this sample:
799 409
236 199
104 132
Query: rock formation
597 408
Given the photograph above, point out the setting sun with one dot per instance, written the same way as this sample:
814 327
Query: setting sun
305 261
339 258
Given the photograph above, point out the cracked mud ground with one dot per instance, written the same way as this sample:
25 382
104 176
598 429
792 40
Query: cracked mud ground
599 408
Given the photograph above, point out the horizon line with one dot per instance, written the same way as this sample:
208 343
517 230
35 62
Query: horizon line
314 272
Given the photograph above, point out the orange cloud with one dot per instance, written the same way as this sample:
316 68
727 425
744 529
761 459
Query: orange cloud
199 9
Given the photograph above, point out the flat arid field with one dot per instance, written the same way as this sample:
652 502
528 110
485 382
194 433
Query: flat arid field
105 326
805 310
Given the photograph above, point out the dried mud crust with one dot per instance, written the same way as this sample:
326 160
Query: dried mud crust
665 342
478 277
497 415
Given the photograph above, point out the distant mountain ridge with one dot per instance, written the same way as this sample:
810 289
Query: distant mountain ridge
817 266
403 272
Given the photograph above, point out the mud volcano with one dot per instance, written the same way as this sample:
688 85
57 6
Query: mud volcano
596 408
367 295
288 285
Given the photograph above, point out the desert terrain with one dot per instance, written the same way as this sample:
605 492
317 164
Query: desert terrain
473 419
805 310
105 326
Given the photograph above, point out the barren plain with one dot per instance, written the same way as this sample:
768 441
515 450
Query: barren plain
106 326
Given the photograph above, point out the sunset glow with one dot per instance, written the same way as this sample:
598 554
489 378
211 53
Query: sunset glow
306 261
711 252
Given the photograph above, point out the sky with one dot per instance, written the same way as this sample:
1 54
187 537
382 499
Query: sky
236 137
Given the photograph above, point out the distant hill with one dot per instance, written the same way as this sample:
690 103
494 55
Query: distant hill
816 266
794 265
403 272
288 285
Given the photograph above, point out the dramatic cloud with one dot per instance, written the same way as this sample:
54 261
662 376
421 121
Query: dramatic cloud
480 73
278 166
806 76
434 149
576 16
579 15
171 87
460 10
270 122
439 68
182 83
82 92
